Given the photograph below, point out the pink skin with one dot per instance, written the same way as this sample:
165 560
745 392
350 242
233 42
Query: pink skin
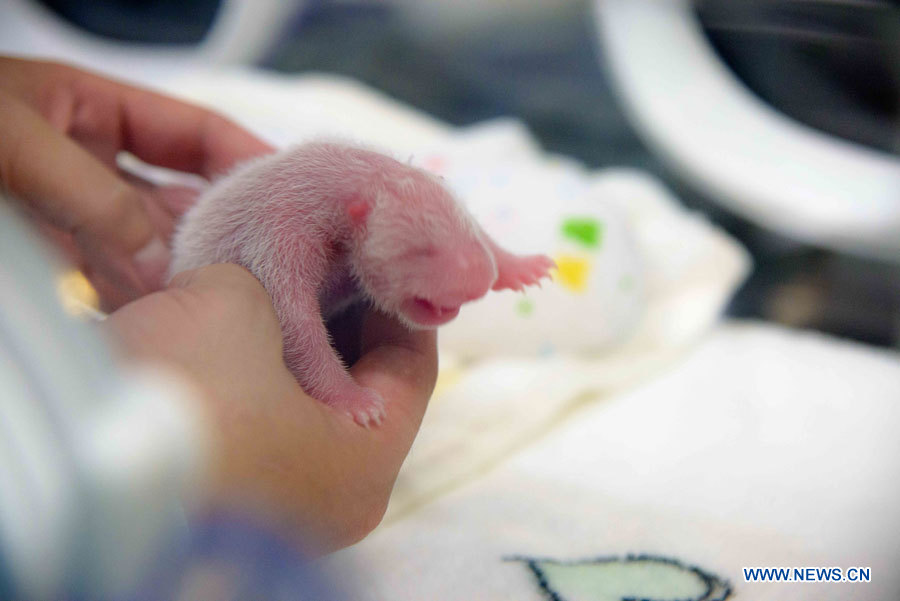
323 225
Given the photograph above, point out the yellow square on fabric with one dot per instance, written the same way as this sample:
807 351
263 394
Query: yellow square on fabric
572 272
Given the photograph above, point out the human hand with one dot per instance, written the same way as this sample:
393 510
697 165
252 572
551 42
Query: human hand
280 453
60 132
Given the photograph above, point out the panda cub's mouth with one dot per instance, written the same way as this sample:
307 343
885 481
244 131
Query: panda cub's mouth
427 313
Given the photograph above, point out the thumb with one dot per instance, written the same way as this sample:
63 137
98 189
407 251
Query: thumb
230 293
222 276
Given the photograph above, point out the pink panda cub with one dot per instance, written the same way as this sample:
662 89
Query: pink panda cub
323 225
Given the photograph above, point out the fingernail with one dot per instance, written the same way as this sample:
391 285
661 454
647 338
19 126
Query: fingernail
152 261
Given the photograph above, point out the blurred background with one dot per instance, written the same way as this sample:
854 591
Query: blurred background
831 65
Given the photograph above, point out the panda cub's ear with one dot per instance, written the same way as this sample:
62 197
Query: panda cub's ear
358 210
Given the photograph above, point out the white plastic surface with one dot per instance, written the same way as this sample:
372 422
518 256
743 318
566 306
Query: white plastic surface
742 152
241 32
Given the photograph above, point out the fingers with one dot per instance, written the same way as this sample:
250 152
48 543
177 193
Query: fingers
108 116
70 188
189 138
61 130
401 364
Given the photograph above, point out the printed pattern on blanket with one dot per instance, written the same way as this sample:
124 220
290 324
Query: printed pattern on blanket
643 577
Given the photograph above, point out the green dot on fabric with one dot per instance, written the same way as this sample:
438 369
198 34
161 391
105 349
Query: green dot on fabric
525 307
586 231
626 283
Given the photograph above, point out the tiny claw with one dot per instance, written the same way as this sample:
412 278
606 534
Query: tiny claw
363 405
362 418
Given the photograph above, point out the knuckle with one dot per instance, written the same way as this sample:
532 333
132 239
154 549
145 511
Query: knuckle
354 512
116 215
11 168
56 80
373 511
243 284
217 121
235 293
60 72
232 291
121 206
54 68
367 519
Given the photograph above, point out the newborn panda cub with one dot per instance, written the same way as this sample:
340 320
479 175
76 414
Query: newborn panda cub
324 225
